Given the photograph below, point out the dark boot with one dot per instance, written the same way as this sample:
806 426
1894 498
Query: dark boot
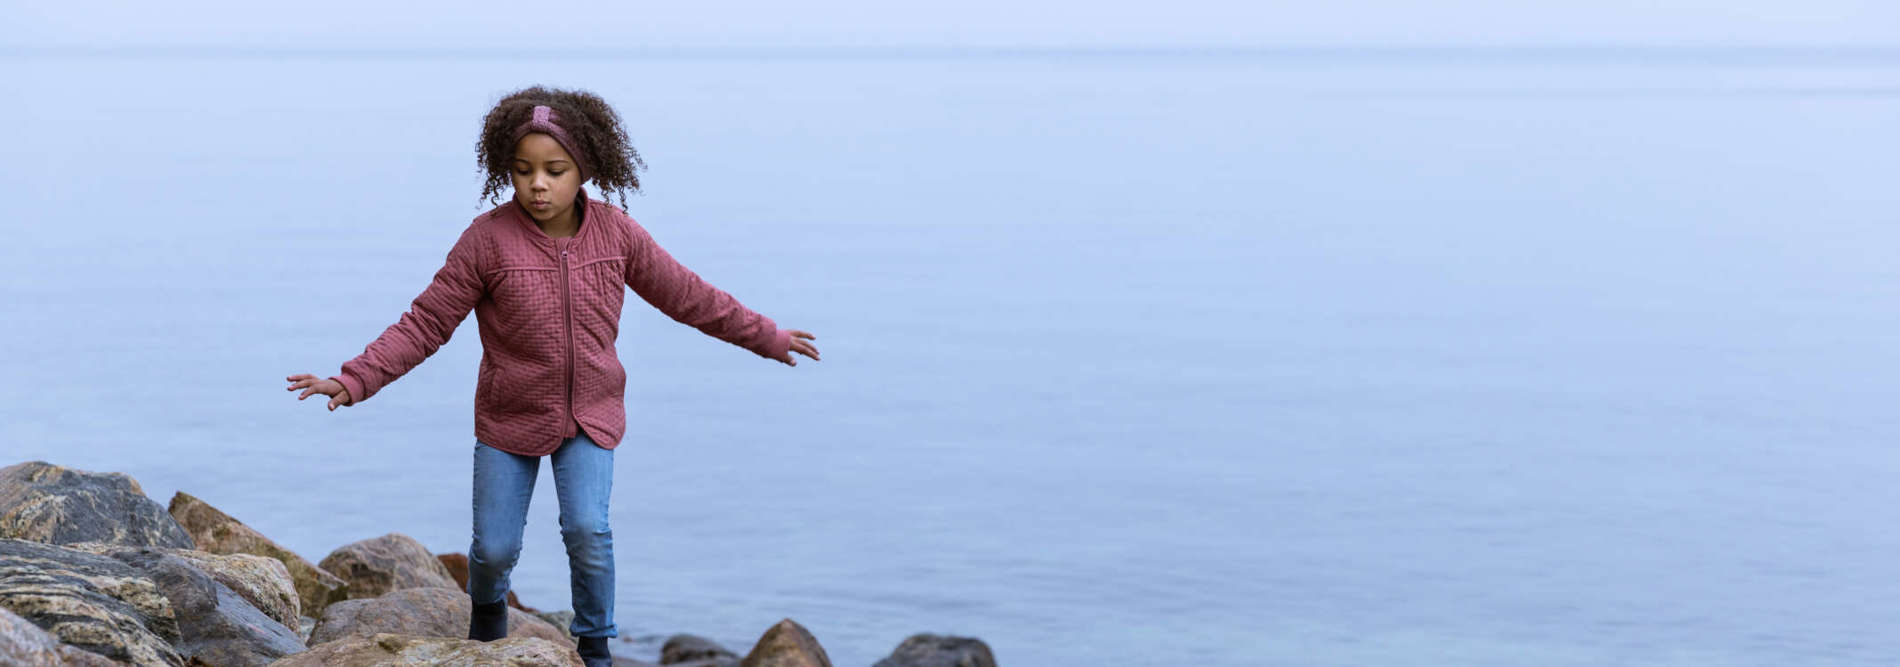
594 653
488 622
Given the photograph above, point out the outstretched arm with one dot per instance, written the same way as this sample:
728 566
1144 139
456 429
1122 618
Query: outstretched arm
676 291
431 319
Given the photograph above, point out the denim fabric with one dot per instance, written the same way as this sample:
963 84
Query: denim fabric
583 479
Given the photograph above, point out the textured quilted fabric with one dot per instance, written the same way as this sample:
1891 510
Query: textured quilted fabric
548 311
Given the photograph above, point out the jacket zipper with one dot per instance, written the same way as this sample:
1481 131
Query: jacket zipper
567 315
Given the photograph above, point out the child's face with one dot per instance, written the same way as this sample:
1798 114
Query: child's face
546 178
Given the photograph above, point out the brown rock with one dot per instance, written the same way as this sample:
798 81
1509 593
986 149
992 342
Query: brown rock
385 649
389 563
457 564
787 644
42 502
423 612
23 644
218 533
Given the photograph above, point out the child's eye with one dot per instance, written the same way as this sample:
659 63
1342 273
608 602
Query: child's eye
557 173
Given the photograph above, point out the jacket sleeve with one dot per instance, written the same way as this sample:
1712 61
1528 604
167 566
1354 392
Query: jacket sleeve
676 291
431 319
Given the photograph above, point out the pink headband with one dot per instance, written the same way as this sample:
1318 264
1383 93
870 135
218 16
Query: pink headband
544 121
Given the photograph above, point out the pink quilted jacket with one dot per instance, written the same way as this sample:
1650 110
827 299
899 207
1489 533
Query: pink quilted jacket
549 312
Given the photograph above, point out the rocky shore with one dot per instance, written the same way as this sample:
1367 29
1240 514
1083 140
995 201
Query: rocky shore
94 572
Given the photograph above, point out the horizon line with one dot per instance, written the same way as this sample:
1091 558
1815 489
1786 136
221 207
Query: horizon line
1579 50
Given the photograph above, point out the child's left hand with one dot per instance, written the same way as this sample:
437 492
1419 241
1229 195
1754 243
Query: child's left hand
800 347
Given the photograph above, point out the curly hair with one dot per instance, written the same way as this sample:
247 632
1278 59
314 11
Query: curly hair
586 117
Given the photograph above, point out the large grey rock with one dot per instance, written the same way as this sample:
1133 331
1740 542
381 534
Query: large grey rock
561 620
928 650
787 644
683 649
218 533
425 612
216 626
23 644
383 650
389 563
42 502
261 581
89 601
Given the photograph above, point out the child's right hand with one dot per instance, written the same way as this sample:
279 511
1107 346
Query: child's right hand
311 384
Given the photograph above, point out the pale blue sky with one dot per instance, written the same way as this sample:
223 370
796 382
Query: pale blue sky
753 23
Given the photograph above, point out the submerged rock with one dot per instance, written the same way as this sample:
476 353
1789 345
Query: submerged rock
424 612
389 563
928 650
218 533
696 650
787 644
393 649
90 601
42 502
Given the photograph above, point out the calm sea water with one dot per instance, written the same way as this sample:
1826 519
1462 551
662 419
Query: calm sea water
1129 359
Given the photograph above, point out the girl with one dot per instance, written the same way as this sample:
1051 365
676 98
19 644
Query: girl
544 274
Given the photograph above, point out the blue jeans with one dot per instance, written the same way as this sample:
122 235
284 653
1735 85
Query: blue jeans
583 478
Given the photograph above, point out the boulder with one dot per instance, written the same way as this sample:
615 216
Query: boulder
218 533
90 601
304 626
561 620
928 650
42 502
261 581
696 650
389 563
392 649
423 612
787 644
23 644
457 564
216 626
